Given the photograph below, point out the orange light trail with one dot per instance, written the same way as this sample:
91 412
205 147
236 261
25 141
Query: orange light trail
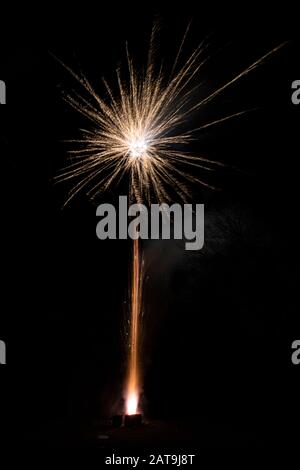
133 379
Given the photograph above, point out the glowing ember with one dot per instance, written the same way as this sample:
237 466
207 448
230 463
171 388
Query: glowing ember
132 404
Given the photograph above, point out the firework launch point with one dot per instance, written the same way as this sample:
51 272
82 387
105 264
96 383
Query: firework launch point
133 420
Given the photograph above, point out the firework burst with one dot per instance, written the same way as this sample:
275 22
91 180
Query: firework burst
137 130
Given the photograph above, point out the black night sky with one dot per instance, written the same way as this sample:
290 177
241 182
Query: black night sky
219 323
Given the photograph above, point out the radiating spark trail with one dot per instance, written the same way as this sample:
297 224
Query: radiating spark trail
253 66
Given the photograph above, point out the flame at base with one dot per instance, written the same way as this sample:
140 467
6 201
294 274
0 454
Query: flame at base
132 404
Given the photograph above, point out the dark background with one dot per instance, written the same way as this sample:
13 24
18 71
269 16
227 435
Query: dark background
219 323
